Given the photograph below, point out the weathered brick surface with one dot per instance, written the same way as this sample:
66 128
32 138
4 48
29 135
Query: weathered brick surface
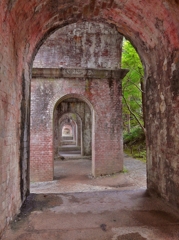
153 28
104 96
10 97
84 44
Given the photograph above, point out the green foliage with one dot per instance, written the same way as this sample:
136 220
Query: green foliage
125 170
137 152
134 144
133 116
136 135
132 83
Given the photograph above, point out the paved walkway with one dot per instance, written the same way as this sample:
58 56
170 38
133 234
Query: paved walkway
115 207
75 176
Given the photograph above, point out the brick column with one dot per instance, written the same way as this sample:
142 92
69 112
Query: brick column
107 130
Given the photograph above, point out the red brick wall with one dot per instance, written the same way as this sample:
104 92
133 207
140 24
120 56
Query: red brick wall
10 127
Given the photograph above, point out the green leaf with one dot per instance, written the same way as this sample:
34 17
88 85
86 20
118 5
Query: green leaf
132 84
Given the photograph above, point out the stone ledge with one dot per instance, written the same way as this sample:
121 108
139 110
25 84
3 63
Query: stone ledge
93 73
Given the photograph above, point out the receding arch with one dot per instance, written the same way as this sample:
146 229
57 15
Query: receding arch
67 130
64 120
77 134
56 100
92 116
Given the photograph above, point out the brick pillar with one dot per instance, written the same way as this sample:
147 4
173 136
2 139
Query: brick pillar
107 130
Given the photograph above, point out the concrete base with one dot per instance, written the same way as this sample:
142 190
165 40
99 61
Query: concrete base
77 206
107 215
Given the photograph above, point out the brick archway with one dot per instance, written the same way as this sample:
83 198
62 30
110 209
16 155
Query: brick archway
44 140
144 45
76 126
153 29
56 101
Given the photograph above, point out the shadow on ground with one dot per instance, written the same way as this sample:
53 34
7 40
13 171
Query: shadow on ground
78 207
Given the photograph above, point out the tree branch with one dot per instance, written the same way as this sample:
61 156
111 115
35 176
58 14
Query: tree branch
137 102
136 86
131 112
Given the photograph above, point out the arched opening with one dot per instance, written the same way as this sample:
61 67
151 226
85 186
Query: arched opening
72 150
134 131
67 131
68 136
92 54
70 130
137 42
153 29
76 111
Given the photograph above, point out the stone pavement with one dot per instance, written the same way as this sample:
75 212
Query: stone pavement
115 207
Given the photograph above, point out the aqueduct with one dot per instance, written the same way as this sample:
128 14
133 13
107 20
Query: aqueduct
152 27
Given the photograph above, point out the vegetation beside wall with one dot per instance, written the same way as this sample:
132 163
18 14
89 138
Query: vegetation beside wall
134 143
133 103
